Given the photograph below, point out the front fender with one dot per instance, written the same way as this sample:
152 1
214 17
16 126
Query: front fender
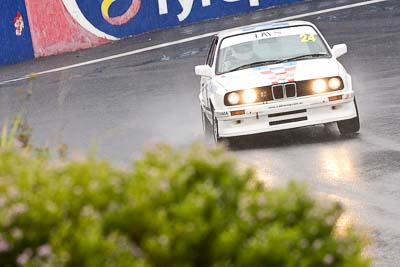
216 95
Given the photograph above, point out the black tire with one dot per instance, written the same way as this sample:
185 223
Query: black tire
216 137
207 127
350 126
215 132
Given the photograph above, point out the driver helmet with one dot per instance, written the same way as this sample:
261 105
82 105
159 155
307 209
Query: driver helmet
242 51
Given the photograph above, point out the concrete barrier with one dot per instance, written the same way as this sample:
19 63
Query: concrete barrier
58 26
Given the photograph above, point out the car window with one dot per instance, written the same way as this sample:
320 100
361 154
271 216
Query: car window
278 44
211 53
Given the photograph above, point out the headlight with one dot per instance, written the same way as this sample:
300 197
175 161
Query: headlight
319 86
233 98
249 96
241 97
335 83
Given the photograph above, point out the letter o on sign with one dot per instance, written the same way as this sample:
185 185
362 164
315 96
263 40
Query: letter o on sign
124 18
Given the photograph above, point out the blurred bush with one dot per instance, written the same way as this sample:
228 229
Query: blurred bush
190 208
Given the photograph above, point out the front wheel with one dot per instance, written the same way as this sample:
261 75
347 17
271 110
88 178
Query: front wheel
350 126
207 127
217 138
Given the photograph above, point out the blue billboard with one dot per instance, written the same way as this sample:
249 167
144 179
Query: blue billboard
122 18
15 35
58 26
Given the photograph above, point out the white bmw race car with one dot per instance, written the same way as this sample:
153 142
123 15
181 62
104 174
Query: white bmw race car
274 77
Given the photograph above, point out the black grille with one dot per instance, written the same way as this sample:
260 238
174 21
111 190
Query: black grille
290 90
287 113
265 93
277 91
301 88
272 123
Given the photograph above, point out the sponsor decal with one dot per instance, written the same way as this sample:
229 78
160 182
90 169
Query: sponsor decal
305 38
122 19
187 6
265 26
222 113
279 73
15 34
114 19
18 24
286 105
75 11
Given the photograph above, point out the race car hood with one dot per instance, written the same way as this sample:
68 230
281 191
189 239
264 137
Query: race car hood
279 73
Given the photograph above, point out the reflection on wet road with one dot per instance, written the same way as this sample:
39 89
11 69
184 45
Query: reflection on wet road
338 165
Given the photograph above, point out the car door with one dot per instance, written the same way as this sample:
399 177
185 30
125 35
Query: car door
205 82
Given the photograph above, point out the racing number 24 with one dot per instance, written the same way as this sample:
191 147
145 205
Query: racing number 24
305 38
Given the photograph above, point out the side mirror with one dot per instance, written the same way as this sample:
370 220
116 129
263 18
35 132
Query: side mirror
339 50
203 70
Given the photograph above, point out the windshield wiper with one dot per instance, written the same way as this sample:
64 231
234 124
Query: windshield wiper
304 57
255 64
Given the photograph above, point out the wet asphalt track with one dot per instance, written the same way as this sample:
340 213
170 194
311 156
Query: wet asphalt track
123 104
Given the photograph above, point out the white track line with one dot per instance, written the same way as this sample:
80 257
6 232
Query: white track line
185 40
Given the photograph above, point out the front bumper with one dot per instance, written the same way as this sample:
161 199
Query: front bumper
285 114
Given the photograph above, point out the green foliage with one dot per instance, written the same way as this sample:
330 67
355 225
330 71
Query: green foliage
191 208
20 133
6 138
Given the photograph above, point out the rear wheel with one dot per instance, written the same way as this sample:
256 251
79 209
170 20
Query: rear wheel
350 126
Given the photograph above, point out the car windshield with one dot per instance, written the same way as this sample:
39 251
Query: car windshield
268 47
